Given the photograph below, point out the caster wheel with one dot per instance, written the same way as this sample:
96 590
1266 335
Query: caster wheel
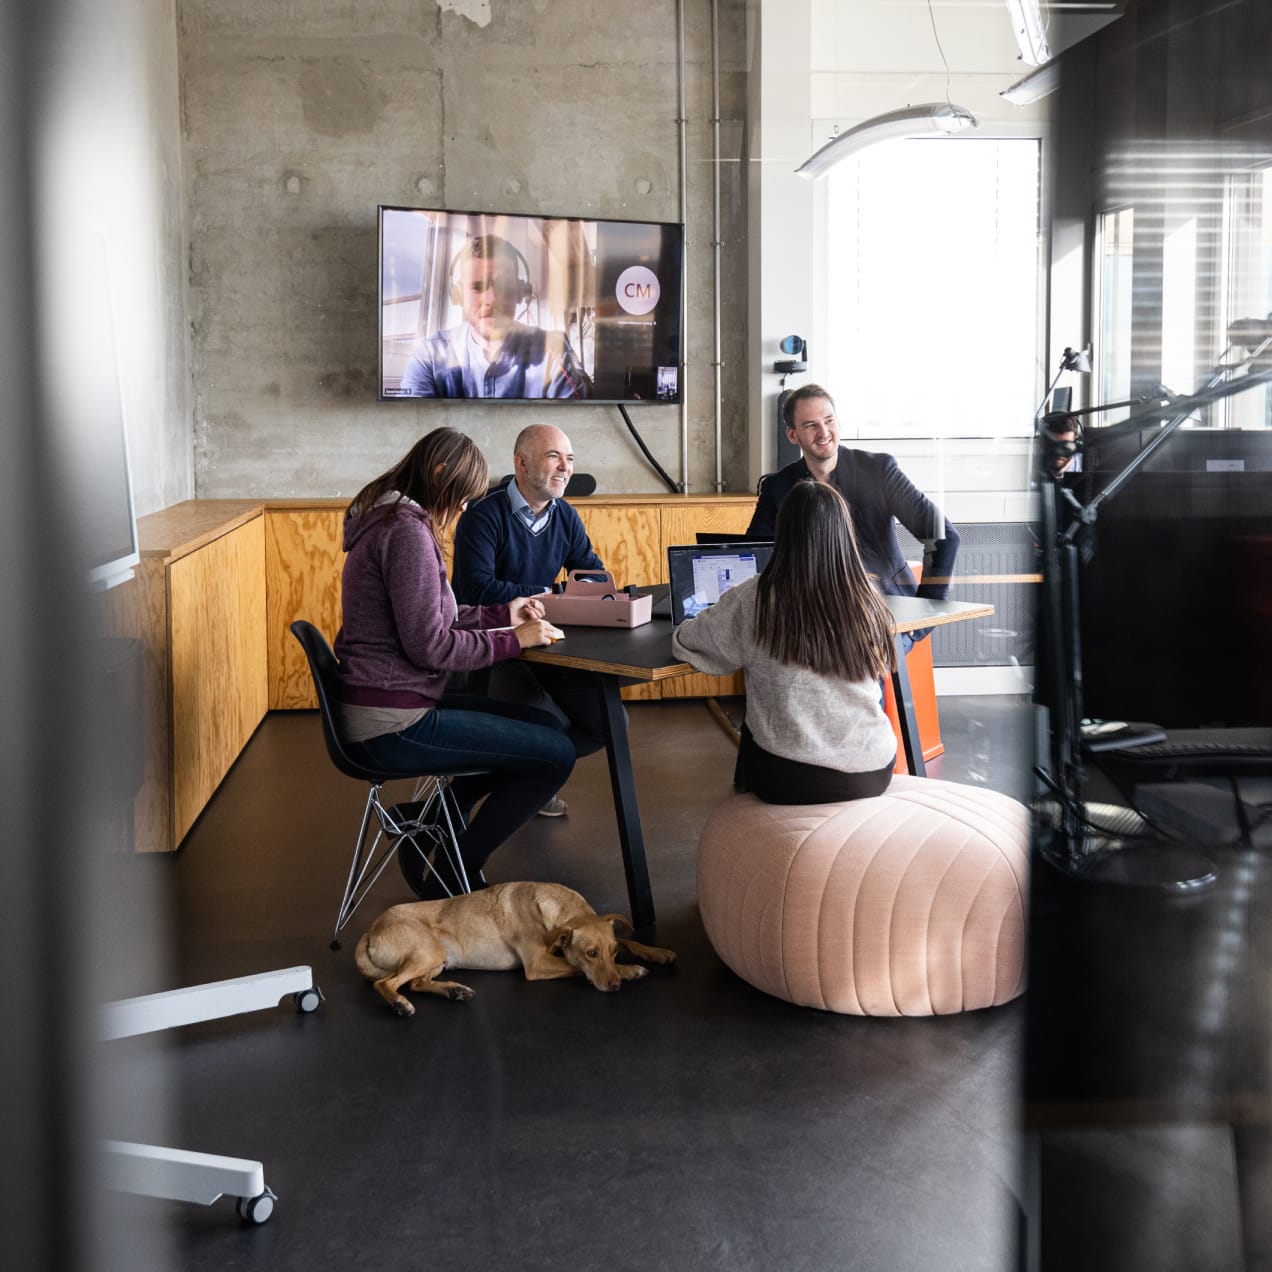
256 1209
308 1000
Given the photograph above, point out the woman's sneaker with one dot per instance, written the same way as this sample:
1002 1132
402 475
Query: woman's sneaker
555 807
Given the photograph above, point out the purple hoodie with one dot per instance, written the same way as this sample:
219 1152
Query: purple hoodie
402 631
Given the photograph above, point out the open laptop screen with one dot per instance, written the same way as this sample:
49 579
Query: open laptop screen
700 573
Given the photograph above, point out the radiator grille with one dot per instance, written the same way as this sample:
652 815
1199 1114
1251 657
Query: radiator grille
992 548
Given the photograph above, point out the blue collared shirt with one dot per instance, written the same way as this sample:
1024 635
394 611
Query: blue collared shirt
531 363
535 524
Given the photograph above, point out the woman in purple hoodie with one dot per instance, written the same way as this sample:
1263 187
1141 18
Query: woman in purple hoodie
403 633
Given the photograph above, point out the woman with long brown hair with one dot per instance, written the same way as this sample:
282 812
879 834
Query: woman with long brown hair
403 634
814 637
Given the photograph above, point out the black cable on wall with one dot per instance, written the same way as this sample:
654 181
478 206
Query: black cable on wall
653 463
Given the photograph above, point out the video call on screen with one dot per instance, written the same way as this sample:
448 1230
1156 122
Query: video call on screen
574 308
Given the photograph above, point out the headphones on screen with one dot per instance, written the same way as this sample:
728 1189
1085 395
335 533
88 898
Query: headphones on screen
489 247
1056 423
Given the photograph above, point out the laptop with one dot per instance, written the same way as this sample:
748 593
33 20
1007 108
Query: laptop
701 573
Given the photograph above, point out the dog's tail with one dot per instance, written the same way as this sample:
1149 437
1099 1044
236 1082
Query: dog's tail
365 960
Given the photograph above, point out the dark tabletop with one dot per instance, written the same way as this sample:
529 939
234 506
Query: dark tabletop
644 653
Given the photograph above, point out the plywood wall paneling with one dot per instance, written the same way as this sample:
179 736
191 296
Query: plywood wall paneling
700 686
448 549
137 609
681 522
217 627
303 561
627 539
251 627
643 693
186 527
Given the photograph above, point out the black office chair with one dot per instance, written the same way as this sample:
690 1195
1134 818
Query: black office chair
579 484
422 831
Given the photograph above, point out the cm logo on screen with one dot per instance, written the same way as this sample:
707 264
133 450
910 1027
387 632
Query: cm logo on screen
637 289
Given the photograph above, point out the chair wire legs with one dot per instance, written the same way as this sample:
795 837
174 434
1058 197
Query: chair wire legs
430 821
428 837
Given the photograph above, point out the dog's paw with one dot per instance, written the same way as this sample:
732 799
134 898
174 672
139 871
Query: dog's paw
662 957
460 993
403 1008
632 971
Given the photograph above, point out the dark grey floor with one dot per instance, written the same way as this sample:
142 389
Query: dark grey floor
687 1122
1148 1101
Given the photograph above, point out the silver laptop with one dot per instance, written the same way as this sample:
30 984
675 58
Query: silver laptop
701 573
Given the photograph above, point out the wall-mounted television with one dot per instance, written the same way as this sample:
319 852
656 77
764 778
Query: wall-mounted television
515 308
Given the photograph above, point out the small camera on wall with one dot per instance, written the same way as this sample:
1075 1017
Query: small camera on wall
797 347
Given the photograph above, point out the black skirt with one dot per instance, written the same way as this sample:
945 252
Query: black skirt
776 780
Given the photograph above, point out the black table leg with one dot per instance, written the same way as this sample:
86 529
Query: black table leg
905 712
630 836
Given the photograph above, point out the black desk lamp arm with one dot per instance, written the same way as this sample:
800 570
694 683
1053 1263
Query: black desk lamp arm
1216 388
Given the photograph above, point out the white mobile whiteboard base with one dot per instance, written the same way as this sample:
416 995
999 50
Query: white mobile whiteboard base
174 1173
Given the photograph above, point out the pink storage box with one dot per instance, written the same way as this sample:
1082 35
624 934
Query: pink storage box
591 599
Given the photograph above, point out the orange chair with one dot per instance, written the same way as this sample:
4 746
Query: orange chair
923 689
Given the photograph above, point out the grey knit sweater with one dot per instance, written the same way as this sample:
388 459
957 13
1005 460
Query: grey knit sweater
792 712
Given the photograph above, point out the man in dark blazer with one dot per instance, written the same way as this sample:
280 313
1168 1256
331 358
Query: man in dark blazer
878 493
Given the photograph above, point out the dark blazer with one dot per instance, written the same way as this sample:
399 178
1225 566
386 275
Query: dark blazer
878 494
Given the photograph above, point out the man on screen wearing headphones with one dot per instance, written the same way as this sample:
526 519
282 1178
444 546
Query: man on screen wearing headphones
490 354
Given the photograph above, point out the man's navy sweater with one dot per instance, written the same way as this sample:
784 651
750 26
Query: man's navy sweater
497 557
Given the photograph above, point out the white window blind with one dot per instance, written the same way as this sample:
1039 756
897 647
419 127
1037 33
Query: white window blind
1246 284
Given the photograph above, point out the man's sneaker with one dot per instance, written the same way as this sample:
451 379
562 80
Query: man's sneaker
425 883
415 870
555 807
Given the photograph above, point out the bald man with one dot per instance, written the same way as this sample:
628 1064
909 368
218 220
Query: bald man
515 542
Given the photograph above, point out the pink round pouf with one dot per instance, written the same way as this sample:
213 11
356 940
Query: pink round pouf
909 904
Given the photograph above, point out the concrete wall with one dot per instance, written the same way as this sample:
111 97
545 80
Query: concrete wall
299 119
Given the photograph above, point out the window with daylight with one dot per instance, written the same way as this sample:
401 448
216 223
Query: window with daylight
934 288
1246 283
1116 259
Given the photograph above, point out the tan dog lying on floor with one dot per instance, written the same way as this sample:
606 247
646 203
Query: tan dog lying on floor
546 928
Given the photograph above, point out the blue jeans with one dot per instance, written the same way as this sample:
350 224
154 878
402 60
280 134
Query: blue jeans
908 642
568 695
526 751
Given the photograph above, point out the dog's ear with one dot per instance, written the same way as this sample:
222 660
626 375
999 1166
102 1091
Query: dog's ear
620 920
559 939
